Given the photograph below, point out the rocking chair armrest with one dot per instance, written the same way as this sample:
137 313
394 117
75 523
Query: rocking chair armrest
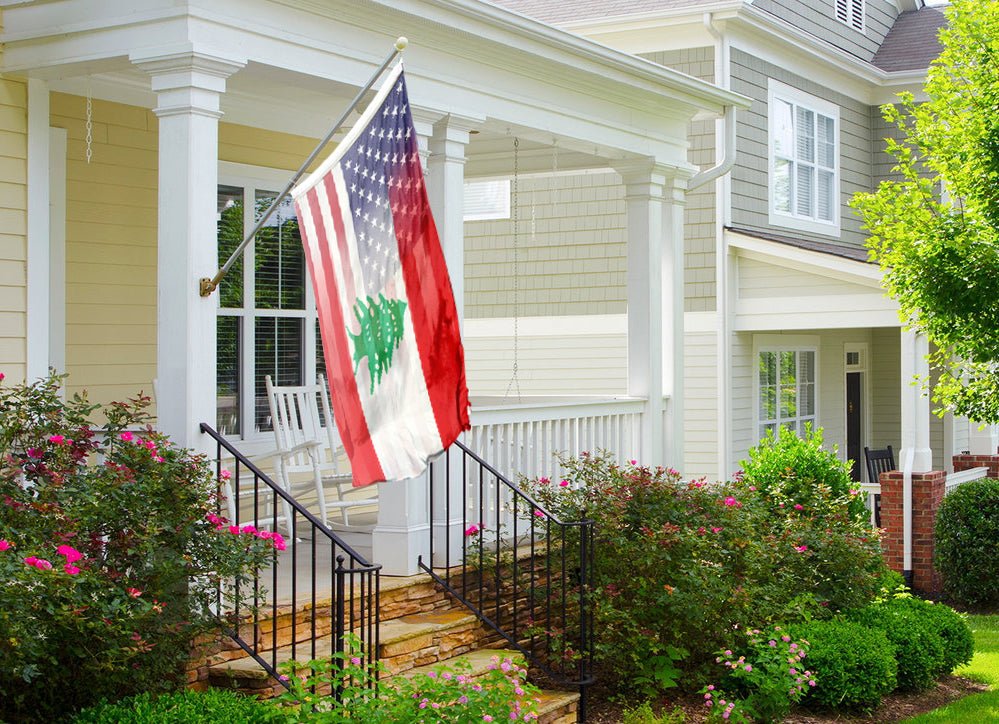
307 446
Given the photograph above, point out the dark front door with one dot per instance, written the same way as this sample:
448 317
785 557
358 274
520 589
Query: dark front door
853 418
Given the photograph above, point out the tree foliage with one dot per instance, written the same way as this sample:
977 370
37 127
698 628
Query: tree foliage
935 227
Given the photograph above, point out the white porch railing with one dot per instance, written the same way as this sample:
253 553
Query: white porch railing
522 439
956 479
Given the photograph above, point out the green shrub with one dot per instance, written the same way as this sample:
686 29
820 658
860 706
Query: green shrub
680 565
919 648
854 665
109 556
953 630
967 543
789 470
214 706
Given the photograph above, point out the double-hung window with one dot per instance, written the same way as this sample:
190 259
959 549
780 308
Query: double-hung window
786 389
804 161
267 314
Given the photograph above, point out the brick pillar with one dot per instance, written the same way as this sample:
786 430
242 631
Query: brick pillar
927 493
966 462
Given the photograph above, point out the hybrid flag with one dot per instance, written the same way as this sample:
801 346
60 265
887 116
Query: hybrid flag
386 310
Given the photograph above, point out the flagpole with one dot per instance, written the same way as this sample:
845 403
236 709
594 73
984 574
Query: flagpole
206 285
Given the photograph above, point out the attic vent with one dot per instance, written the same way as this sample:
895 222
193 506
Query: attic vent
851 12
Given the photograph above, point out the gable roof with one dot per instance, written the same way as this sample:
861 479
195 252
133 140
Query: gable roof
560 11
845 251
912 42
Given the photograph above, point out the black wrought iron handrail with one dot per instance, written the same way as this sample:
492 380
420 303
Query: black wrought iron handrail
522 571
352 605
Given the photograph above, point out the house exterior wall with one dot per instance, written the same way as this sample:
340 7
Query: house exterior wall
110 247
13 228
760 280
571 249
819 19
700 423
111 220
750 188
881 383
882 162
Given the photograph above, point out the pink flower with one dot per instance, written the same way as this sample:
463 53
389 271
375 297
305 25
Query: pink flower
2 375
801 549
234 529
749 667
70 553
265 534
30 560
539 513
355 660
248 529
133 592
278 541
730 501
225 474
715 529
472 529
4 545
34 452
56 439
157 458
126 436
632 462
486 717
799 506
563 484
39 563
752 488
71 569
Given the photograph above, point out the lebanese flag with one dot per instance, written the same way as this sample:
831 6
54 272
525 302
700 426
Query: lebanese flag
386 310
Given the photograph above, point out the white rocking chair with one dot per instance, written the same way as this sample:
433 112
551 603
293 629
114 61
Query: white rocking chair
307 446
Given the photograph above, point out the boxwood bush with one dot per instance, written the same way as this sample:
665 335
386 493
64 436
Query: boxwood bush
919 647
953 630
967 543
854 665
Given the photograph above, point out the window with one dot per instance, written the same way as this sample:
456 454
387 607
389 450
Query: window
266 319
851 12
804 161
786 389
485 200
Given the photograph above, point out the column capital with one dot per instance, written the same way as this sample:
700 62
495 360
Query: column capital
649 178
186 80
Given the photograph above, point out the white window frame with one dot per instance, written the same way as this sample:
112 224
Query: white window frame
500 210
252 179
793 220
783 343
852 13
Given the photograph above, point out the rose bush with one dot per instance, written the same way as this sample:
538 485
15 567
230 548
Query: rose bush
111 553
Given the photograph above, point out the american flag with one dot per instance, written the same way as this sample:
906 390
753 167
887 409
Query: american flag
386 310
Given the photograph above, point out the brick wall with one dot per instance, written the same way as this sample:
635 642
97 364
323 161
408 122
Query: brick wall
927 493
966 462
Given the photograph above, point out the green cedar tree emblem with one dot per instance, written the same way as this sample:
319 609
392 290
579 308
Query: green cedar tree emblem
381 332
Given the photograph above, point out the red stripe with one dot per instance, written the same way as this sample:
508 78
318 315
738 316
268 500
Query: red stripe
346 401
431 301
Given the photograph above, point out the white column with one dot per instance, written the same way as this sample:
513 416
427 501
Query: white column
188 86
654 195
915 454
38 312
402 533
446 188
982 439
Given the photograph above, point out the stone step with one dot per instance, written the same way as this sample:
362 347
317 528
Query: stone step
405 643
480 661
558 707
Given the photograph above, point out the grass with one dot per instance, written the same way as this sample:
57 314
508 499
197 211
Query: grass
984 667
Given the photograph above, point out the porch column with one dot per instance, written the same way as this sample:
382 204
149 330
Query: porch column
982 439
915 454
188 87
655 194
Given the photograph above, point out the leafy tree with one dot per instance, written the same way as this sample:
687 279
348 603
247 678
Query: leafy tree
935 228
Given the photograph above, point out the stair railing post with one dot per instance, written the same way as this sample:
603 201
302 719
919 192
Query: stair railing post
338 623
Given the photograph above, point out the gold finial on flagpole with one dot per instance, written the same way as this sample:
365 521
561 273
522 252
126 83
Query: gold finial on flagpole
401 42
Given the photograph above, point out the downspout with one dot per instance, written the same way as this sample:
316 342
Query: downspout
725 138
907 465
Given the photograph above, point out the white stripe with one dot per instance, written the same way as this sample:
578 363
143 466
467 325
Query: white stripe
399 415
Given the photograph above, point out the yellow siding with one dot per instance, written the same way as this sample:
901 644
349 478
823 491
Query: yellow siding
110 248
111 216
14 223
700 414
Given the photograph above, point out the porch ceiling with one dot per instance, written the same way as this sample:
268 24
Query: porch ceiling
304 60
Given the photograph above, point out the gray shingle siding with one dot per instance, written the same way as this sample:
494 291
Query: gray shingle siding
700 211
818 18
750 188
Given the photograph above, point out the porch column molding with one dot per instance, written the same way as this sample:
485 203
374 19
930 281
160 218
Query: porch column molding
446 188
654 195
916 455
423 121
188 87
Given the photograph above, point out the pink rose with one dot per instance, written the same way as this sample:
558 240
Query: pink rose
564 484
71 554
126 436
56 439
472 529
4 545
133 592
71 569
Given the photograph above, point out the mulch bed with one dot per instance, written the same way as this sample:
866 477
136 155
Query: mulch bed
895 707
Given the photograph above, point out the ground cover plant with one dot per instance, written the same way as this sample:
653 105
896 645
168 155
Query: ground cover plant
111 552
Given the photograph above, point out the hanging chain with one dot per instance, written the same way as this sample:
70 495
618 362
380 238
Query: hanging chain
514 380
90 123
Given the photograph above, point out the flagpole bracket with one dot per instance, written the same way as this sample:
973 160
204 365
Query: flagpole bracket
206 286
